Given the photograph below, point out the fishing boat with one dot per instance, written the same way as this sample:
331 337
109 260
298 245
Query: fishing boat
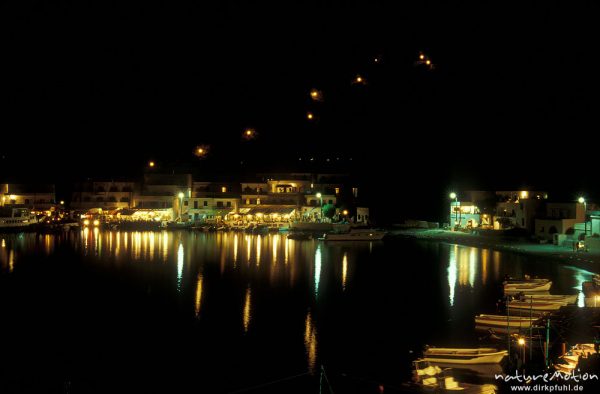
527 285
535 305
504 321
356 235
464 356
16 218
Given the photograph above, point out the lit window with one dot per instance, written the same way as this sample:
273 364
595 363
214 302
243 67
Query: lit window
223 189
258 201
337 190
247 201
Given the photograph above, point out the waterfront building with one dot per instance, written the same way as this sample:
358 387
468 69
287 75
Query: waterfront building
211 202
518 209
559 223
464 214
103 195
163 192
36 197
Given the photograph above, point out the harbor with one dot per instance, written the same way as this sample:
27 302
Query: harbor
256 308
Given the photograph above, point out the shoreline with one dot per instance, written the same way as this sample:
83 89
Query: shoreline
586 260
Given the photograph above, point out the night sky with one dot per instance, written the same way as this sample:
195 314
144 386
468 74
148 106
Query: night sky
98 88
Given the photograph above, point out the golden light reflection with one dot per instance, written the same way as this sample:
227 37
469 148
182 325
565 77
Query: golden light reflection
247 310
463 267
472 266
151 245
496 259
485 257
3 243
258 241
165 245
11 261
86 234
198 294
344 270
136 240
310 343
248 247
235 249
275 244
287 246
97 241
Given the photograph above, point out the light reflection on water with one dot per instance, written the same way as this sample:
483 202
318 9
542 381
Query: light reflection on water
310 342
247 312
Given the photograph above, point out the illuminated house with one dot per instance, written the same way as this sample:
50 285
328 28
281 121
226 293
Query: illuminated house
211 202
106 195
560 219
464 214
518 209
161 191
34 197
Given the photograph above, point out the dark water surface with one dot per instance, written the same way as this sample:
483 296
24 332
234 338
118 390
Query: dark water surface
103 312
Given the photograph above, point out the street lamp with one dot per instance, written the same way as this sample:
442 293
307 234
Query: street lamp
180 195
581 200
320 196
151 164
454 197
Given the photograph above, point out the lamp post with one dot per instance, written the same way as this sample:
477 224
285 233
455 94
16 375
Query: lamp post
581 200
320 196
180 206
454 197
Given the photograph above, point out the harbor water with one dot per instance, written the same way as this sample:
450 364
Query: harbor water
105 311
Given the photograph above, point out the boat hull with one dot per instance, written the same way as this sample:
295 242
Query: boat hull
366 236
504 321
526 287
492 358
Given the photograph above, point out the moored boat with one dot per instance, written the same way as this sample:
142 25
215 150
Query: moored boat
356 235
527 285
504 321
13 218
464 356
535 305
555 298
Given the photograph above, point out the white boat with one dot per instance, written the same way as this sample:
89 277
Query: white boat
356 235
527 285
464 356
556 298
504 321
535 305
12 218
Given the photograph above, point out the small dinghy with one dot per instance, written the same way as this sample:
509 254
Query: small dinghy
504 321
464 356
527 285
556 298
441 382
535 305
